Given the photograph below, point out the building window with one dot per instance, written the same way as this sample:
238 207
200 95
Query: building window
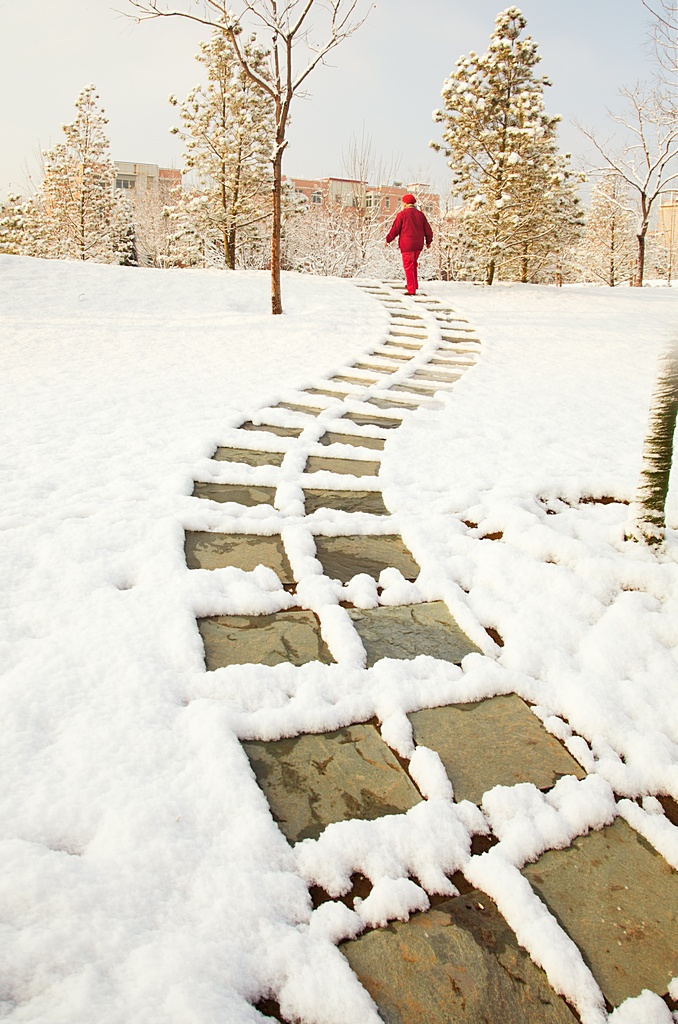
387 203
124 182
316 198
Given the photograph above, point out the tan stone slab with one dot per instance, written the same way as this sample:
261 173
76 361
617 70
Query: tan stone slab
343 558
345 501
437 375
399 356
248 457
413 389
412 318
396 332
365 381
352 467
242 494
459 963
393 403
289 637
367 419
340 395
405 345
411 629
242 550
496 742
271 428
618 900
311 781
381 367
308 410
357 440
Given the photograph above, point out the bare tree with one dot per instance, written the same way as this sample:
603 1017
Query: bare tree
664 39
648 161
648 511
294 53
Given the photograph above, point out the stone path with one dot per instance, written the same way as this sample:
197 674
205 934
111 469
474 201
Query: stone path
459 961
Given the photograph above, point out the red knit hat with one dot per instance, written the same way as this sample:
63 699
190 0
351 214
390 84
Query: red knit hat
409 199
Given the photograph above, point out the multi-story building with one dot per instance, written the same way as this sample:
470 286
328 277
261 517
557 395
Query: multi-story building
149 177
383 200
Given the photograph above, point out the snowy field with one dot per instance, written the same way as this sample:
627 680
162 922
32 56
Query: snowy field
143 878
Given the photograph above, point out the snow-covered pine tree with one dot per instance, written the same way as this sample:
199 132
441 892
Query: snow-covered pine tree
607 248
500 143
78 214
229 131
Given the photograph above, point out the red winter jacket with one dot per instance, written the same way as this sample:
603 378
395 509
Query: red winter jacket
413 228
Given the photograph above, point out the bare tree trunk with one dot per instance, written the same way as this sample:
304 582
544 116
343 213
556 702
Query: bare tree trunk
648 511
276 235
640 263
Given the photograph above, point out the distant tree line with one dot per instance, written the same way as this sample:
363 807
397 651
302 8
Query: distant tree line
513 212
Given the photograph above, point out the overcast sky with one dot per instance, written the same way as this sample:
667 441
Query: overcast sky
385 81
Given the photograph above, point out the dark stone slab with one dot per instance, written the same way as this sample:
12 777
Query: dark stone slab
618 900
311 781
248 457
271 428
367 419
411 629
242 494
242 550
343 558
459 963
289 637
358 440
466 738
345 501
351 467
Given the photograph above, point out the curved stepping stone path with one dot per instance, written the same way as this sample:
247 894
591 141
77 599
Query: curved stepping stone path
610 891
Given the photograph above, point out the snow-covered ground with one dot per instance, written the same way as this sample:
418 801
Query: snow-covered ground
143 878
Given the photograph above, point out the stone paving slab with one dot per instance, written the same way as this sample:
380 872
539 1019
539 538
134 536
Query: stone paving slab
351 467
437 375
365 381
271 428
459 962
404 344
242 550
618 900
381 367
357 440
393 403
339 395
289 637
414 389
311 781
343 558
308 410
242 494
367 419
494 742
399 356
345 501
408 630
248 457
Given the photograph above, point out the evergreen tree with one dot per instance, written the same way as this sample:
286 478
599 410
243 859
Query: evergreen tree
518 190
229 130
606 251
77 213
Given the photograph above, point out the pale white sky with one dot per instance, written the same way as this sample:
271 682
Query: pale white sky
385 80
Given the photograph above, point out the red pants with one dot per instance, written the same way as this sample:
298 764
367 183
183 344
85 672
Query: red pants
410 268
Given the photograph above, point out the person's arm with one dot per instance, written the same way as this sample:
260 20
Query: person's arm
395 229
428 232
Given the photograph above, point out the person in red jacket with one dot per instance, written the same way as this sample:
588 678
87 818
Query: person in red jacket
412 230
